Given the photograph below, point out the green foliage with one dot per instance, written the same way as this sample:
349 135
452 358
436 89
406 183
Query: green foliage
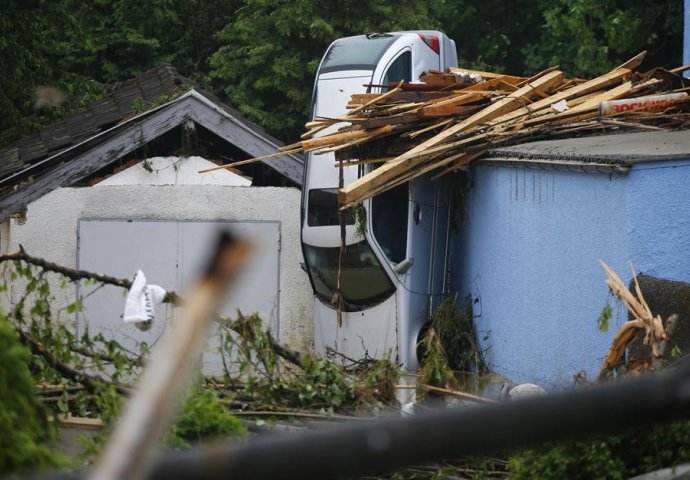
261 55
203 417
604 318
623 456
435 369
455 328
589 37
271 49
25 432
316 383
56 345
26 38
585 37
359 213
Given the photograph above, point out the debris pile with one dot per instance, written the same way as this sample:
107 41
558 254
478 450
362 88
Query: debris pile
448 119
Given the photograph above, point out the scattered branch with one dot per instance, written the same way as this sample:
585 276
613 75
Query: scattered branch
76 274
89 382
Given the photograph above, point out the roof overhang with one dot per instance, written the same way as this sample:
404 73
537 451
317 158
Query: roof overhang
86 158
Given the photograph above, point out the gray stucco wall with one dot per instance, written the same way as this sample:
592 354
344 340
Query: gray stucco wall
50 230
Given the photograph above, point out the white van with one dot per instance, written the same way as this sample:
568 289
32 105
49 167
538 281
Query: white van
393 274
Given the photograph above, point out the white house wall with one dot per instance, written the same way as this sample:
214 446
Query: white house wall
175 171
51 226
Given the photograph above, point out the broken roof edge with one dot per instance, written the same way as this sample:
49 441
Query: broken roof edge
100 150
623 148
59 156
295 177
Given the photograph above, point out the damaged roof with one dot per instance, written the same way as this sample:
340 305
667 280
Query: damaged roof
83 142
614 153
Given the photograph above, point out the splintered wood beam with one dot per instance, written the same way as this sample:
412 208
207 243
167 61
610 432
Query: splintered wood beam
598 83
428 113
388 171
680 69
461 99
230 166
587 109
434 126
485 75
375 122
491 84
336 138
374 101
634 62
459 159
458 162
538 76
394 168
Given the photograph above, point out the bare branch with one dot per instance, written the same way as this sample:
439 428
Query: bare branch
76 274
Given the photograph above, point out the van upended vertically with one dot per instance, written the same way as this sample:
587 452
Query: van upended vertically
394 274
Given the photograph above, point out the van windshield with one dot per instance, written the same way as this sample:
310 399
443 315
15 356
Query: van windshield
356 53
364 281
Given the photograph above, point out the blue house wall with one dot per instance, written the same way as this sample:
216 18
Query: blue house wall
686 35
528 253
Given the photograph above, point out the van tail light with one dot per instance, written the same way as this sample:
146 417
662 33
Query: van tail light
432 42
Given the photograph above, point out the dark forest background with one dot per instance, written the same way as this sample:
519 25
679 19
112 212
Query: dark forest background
260 55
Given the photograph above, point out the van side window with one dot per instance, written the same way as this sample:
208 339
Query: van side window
323 208
389 220
400 69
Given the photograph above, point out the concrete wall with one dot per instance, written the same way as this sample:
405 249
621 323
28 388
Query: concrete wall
528 252
50 230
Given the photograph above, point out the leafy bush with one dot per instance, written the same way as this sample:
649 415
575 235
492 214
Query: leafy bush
25 433
203 417
632 453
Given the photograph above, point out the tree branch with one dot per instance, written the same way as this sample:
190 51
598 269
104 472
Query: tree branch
76 274
89 382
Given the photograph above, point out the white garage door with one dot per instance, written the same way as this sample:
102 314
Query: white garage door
172 254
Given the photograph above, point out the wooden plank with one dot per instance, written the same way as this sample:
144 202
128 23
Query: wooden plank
465 157
390 170
485 75
461 99
489 84
421 131
582 111
374 101
336 138
680 69
428 113
538 75
391 120
598 83
634 62
230 166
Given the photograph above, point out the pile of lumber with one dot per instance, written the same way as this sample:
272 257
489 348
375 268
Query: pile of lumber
451 118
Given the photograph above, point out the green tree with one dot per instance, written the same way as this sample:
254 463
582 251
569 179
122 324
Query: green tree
489 35
588 37
115 40
25 38
271 49
584 37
